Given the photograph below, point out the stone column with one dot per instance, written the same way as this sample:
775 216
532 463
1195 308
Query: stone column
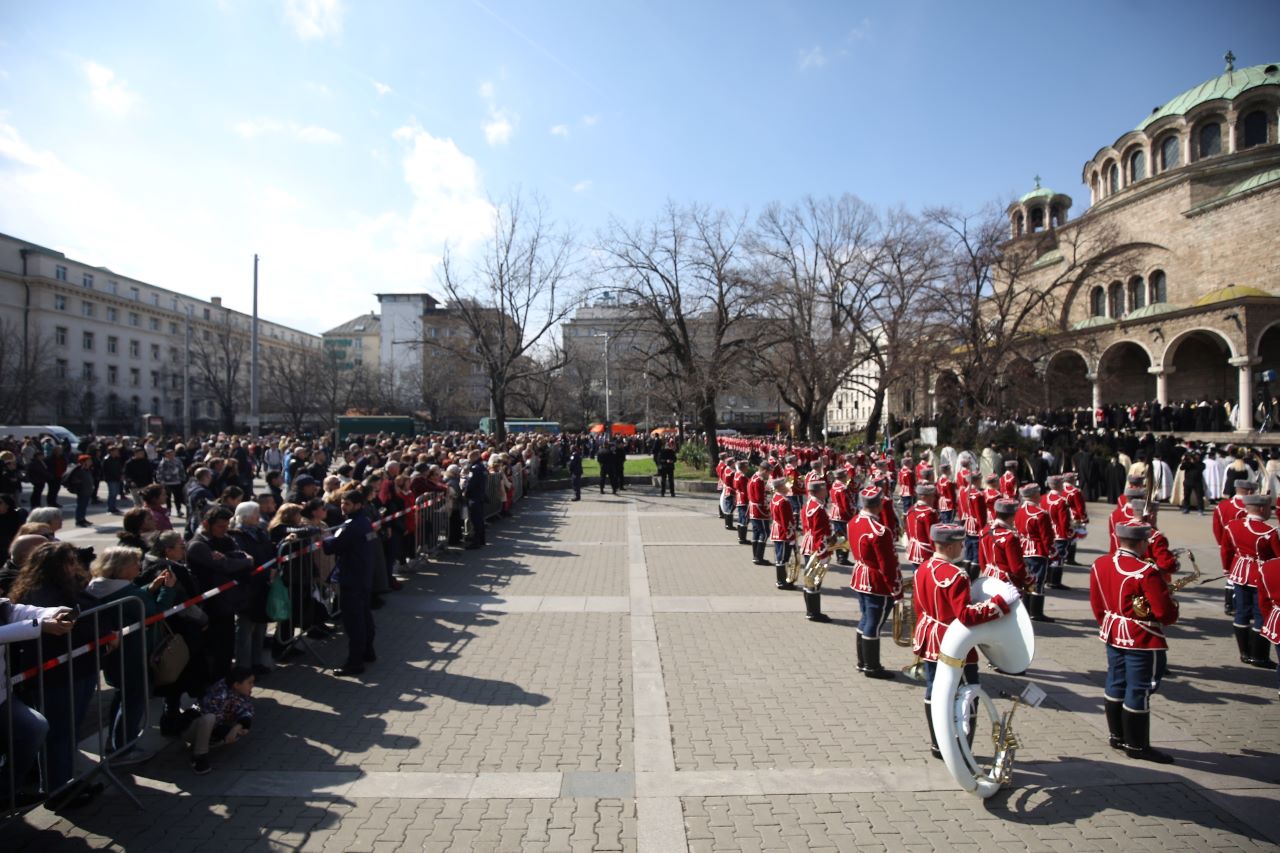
1162 383
1244 364
1097 389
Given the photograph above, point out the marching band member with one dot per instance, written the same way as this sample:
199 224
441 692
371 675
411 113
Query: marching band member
1249 542
942 595
782 530
1136 645
906 483
1055 505
1079 512
1121 514
740 499
946 495
1136 483
795 483
1036 537
758 513
818 471
975 516
1000 552
1158 550
876 578
924 471
1269 604
1009 480
888 516
815 524
920 519
841 510
726 471
991 494
1223 514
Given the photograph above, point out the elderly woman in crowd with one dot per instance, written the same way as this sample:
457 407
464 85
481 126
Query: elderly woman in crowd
168 554
48 515
252 538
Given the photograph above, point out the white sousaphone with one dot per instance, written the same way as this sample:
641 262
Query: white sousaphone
1009 643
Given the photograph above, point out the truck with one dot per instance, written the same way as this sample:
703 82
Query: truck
517 425
349 425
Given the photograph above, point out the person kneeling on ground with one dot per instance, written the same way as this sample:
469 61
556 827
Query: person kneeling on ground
226 715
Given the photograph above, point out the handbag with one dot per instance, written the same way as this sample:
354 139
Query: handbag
278 601
169 658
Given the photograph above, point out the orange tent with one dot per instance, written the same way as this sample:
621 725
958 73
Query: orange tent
618 429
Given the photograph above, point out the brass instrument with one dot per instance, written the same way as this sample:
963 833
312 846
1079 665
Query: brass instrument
816 569
1139 602
904 615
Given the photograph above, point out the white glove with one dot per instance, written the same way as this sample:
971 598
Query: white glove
1008 592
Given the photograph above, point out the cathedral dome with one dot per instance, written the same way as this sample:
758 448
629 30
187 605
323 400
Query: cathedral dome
1229 85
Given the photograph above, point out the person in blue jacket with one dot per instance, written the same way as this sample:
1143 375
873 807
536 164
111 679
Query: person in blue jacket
353 545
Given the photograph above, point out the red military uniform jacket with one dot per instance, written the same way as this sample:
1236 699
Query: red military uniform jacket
841 505
1113 582
1055 504
989 498
1035 531
889 517
920 518
755 497
1223 514
975 512
797 482
941 596
1000 554
816 526
906 482
962 502
1248 543
946 494
1009 485
875 562
1269 599
1075 502
783 528
739 489
726 479
1159 552
922 469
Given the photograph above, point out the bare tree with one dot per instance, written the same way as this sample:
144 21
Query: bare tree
290 378
513 297
28 374
217 358
683 275
813 256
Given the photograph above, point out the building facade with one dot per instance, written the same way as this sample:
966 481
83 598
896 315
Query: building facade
356 343
110 348
1184 301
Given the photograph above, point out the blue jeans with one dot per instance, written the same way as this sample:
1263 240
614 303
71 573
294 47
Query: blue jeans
781 552
1248 614
113 493
970 676
971 548
1133 675
875 609
840 529
758 532
906 500
1037 568
82 506
726 504
742 516
66 700
29 731
945 516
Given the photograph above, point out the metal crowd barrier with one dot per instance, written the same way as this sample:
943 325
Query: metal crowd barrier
305 571
113 683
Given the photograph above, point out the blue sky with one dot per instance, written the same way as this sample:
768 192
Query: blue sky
345 141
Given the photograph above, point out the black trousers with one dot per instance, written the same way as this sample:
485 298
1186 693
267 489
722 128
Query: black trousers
667 477
220 643
476 510
357 622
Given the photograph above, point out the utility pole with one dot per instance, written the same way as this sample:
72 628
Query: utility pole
186 380
253 358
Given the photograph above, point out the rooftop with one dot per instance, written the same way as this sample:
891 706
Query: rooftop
1228 85
365 324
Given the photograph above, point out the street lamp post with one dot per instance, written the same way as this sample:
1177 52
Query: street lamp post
607 412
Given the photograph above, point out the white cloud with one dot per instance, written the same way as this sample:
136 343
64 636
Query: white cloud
486 90
591 120
581 186
381 88
310 134
861 31
814 57
560 130
314 19
498 129
108 93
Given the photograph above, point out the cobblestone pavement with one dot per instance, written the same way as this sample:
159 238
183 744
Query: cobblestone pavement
615 674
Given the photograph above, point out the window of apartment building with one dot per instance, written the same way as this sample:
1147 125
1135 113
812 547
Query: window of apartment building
133 291
155 299
60 273
173 328
87 280
204 333
155 379
206 313
113 316
113 344
86 308
59 302
135 349
135 377
60 368
155 404
60 336
86 371
153 323
113 374
155 352
175 382
113 287
134 405
87 341
134 319
173 354
208 408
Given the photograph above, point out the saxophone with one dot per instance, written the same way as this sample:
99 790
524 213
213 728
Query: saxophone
1142 607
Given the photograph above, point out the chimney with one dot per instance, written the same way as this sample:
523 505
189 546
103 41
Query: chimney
216 300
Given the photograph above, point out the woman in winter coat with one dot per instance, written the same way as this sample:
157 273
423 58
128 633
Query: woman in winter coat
252 538
168 554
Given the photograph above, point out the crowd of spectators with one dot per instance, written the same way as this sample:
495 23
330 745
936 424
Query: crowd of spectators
195 514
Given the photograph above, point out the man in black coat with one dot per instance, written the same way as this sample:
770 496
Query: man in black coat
215 558
476 493
353 546
616 479
575 472
605 459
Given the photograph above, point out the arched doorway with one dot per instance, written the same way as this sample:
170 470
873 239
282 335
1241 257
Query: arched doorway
1269 359
1200 368
1066 381
1123 372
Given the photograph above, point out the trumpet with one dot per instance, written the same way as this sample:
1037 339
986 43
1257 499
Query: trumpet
1139 602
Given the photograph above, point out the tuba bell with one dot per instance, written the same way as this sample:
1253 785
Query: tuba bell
904 615
1009 643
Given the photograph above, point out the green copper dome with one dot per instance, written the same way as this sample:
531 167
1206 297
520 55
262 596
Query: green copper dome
1229 85
1151 310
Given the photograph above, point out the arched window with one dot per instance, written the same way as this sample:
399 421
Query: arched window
1093 186
1159 291
1137 293
1170 152
1017 225
1037 219
1137 166
1055 216
1113 179
1211 140
1098 302
1255 129
1117 300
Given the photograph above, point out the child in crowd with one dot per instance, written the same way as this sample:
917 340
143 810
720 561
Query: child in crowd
226 714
